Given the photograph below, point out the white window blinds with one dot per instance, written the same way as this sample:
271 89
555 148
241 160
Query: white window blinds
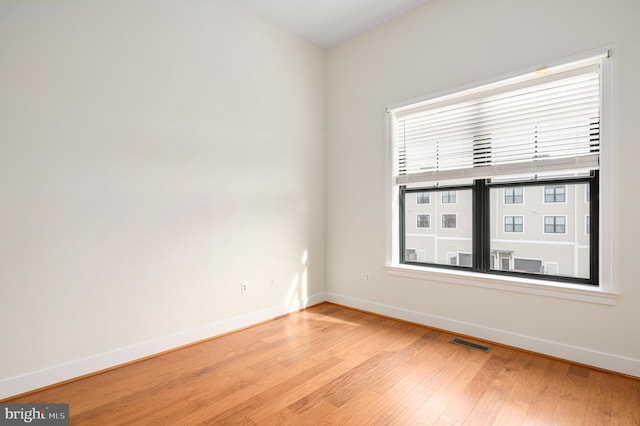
535 124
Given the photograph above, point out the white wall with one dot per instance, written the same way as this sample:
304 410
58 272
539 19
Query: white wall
443 45
153 154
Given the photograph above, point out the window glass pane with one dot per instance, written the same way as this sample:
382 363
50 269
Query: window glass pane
438 232
545 235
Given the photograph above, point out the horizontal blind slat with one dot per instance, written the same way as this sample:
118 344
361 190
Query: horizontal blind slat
511 129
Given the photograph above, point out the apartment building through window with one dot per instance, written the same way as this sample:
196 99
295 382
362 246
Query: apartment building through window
524 150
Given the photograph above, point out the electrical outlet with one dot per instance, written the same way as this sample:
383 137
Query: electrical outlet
366 277
272 281
243 288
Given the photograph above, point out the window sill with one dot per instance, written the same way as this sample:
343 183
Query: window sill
519 285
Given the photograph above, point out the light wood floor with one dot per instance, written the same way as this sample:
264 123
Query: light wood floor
332 365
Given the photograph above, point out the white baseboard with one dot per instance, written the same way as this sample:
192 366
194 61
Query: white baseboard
60 373
628 366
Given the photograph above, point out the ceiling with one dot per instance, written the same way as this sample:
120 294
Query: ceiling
326 23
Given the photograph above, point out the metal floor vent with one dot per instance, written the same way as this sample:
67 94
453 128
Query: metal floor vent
466 344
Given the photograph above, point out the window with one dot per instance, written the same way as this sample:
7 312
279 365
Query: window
449 221
411 255
554 194
555 224
423 198
551 268
450 233
449 197
423 221
513 223
514 195
533 266
482 149
544 238
460 259
464 259
587 225
414 255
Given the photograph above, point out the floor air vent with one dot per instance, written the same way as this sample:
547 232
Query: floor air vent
466 344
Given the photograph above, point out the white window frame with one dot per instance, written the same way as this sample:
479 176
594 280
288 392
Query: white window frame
608 291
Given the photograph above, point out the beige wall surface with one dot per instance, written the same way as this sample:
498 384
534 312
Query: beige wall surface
153 155
438 47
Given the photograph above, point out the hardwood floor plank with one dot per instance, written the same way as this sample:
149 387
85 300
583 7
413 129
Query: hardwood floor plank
459 409
332 365
348 379
248 407
494 404
625 394
379 409
303 389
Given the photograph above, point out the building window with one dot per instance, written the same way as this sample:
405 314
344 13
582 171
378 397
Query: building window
411 255
414 255
555 224
449 197
587 225
423 198
514 195
465 259
449 221
423 221
460 259
463 146
513 223
532 266
554 194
